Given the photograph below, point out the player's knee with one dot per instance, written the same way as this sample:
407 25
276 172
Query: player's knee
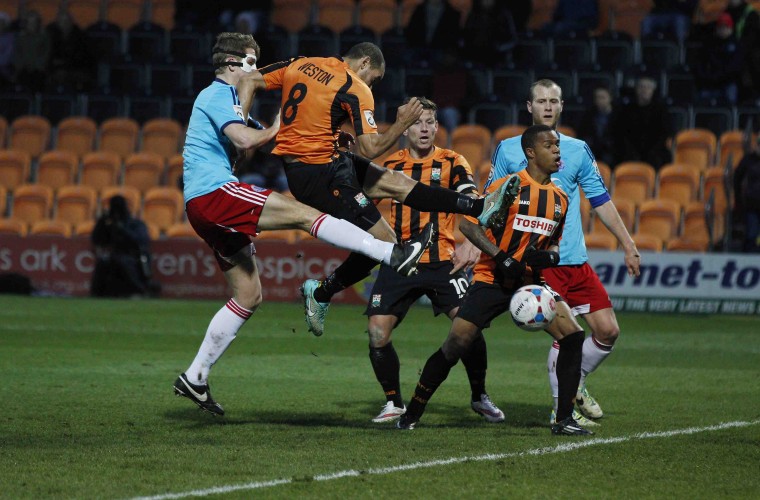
608 334
249 297
379 335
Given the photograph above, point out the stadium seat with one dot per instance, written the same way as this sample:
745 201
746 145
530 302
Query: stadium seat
119 135
15 167
507 131
627 210
491 114
646 241
3 131
75 204
614 53
696 147
293 15
85 13
15 104
716 119
685 244
10 7
442 137
161 136
481 171
406 9
634 181
145 42
168 80
123 13
182 230
337 15
174 171
679 183
57 168
104 41
3 200
701 224
162 13
143 108
32 202
714 180
143 170
187 46
566 130
660 218
276 44
572 53
377 15
600 240
662 54
47 9
542 12
731 143
11 225
605 171
709 10
123 78
163 206
76 134
100 169
102 107
471 133
84 228
585 209
628 14
529 53
30 133
50 227
131 194
57 106
511 86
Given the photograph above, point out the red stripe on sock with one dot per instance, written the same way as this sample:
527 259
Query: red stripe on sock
317 223
603 347
555 345
237 309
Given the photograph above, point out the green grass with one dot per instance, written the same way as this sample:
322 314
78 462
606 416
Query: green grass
89 411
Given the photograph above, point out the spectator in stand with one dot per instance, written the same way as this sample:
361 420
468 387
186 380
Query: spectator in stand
70 63
32 53
489 32
7 47
747 30
433 30
746 187
579 16
122 254
594 125
719 65
641 127
520 10
669 19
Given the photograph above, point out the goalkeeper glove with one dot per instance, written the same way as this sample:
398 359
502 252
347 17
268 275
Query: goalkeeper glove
540 259
510 268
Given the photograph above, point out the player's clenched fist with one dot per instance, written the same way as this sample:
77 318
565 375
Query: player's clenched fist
409 112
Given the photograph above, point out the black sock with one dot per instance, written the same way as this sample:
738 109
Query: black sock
435 372
568 372
434 199
386 365
355 268
475 361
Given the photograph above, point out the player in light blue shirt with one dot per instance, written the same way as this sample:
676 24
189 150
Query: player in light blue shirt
574 279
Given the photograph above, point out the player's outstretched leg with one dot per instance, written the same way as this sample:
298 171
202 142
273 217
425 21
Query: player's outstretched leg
198 394
497 203
406 256
314 311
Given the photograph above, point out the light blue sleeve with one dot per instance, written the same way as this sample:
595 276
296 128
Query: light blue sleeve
223 108
507 159
590 178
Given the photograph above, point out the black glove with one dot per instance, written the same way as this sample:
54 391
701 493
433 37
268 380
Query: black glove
255 124
510 267
540 259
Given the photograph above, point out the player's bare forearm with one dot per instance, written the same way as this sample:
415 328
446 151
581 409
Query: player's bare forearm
476 234
247 86
373 145
465 256
611 219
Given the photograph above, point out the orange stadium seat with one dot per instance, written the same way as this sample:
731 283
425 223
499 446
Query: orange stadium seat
659 218
162 13
3 131
336 14
696 147
481 171
407 9
30 133
84 228
605 171
76 134
585 208
567 130
463 6
182 230
627 210
143 170
442 137
685 244
57 168
708 10
50 227
695 223
715 180
626 15
100 169
15 167
119 135
507 131
293 15
3 199
377 15
163 206
161 136
541 13
131 194
600 240
32 202
85 13
47 9
124 13
634 181
10 7
75 204
472 141
174 170
646 241
731 143
679 183
11 225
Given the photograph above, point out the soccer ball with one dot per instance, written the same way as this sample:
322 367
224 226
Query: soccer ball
532 308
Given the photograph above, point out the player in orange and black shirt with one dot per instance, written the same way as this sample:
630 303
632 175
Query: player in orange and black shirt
511 258
392 297
319 94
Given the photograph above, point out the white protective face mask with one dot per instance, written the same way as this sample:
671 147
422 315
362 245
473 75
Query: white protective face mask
249 63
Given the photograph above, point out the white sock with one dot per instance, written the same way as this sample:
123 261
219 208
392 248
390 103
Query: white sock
551 366
594 352
341 233
220 334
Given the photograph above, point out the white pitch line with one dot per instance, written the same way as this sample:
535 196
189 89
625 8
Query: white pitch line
560 448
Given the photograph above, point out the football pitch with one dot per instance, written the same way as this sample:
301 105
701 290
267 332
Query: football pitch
89 410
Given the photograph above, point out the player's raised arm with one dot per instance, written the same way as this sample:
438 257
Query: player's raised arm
373 145
247 86
245 138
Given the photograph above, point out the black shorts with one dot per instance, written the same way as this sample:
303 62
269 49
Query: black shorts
483 302
393 294
334 189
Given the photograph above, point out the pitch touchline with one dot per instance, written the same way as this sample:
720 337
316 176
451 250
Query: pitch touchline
561 448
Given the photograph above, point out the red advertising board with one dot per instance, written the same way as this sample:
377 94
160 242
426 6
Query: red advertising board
184 268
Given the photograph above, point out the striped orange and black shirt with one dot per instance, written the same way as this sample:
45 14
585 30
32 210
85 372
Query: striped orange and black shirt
443 168
536 218
318 95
